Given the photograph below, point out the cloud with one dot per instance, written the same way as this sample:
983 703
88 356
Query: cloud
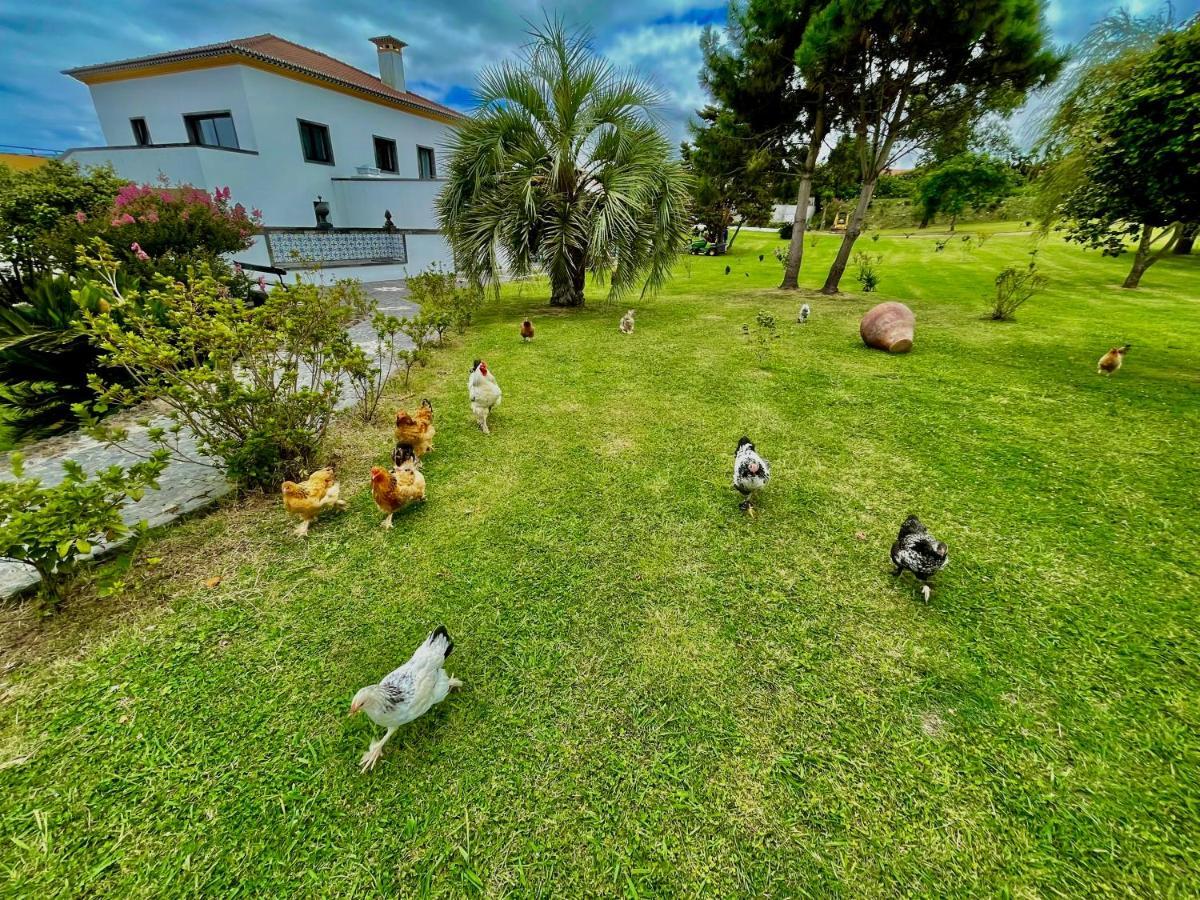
448 44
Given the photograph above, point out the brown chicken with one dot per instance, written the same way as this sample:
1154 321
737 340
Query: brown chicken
310 498
397 489
1111 361
527 330
416 432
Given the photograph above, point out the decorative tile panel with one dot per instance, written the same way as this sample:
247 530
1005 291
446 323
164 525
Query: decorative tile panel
295 248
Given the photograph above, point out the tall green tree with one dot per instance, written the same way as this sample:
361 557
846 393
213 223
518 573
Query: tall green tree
730 172
1141 173
753 73
965 180
562 168
1099 64
904 72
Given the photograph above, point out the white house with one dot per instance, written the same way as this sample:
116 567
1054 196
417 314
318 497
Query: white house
282 125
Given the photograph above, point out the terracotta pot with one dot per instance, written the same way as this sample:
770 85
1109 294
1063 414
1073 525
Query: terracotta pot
888 326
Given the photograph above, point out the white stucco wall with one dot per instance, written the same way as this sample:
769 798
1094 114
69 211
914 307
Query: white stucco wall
276 179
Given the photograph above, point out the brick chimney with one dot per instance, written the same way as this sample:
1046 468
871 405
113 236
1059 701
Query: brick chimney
391 60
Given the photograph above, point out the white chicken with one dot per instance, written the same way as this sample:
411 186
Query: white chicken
407 693
750 473
802 316
484 393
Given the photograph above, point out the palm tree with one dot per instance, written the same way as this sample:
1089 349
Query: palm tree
561 168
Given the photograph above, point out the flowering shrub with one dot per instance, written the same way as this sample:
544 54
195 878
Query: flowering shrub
168 228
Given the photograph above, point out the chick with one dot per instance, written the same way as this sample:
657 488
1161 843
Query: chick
626 325
802 316
1112 360
527 330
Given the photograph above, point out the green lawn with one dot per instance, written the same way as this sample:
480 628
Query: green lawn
663 696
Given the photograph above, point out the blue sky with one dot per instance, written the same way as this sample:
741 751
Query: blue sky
448 43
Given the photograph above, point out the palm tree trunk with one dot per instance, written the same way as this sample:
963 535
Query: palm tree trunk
853 229
791 275
566 287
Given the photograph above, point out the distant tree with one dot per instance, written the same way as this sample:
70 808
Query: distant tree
908 72
562 168
730 173
968 179
1141 174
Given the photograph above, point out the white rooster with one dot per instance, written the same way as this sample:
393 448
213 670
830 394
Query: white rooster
406 693
484 393
750 473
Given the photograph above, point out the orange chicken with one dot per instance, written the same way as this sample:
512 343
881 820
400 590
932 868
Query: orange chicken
395 490
527 330
310 498
1111 361
416 431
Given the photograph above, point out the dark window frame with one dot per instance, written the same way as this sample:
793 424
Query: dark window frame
376 140
142 138
300 124
190 121
432 176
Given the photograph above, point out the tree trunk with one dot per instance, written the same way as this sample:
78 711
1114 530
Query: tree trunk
736 232
853 229
791 274
1187 239
566 288
1144 259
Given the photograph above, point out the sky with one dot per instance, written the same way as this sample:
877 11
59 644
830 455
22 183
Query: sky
449 42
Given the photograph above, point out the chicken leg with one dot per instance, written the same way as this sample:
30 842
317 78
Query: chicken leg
301 530
387 523
367 763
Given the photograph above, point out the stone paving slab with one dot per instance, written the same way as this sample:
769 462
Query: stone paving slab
184 486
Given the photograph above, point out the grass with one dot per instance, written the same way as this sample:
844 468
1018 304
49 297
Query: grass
664 696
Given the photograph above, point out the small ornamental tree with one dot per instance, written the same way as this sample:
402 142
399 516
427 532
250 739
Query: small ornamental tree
48 528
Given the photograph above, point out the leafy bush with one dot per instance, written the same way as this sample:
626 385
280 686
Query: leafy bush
45 357
48 527
1014 287
44 213
785 230
867 275
444 300
258 385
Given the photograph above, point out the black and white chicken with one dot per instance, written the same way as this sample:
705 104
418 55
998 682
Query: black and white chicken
802 316
919 552
750 473
407 693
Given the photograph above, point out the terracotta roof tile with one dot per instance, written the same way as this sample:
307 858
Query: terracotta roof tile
287 54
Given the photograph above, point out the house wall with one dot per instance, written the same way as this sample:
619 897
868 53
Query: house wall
276 178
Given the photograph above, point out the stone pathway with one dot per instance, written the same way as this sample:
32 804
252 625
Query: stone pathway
184 486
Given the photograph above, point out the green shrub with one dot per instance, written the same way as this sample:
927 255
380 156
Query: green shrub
867 275
785 230
762 337
49 527
368 375
1015 286
258 385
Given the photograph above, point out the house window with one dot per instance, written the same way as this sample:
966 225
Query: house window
211 130
141 132
385 155
314 141
425 166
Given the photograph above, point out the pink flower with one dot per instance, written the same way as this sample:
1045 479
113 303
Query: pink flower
116 223
262 283
257 213
150 217
127 219
139 252
80 217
